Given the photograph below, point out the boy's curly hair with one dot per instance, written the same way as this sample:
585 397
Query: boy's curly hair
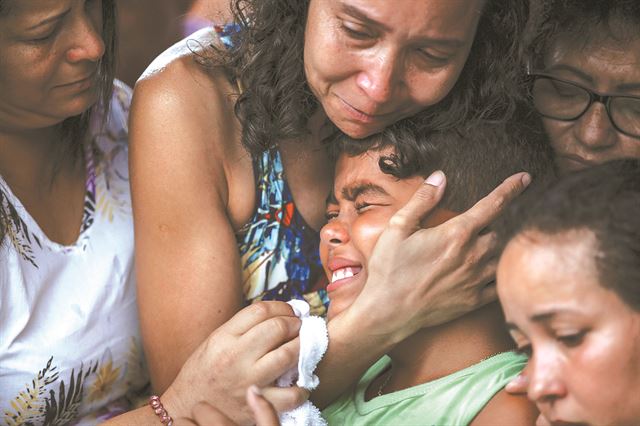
475 160
276 102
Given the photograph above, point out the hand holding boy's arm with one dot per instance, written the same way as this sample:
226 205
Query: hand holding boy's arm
416 278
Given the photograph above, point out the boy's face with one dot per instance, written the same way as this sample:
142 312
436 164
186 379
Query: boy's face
582 339
365 199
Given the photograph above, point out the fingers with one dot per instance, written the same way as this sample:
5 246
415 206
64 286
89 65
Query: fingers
285 399
275 363
486 210
408 218
269 335
255 314
263 412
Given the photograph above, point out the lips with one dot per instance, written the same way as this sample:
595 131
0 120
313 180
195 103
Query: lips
343 271
577 161
368 116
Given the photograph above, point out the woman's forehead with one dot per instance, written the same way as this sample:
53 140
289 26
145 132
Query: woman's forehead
424 17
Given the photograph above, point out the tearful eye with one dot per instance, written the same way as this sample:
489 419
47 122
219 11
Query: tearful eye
330 215
362 207
434 57
572 340
356 32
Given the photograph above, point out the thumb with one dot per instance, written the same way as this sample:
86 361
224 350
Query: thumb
263 411
408 218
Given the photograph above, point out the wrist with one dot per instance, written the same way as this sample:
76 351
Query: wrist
375 314
174 405
360 325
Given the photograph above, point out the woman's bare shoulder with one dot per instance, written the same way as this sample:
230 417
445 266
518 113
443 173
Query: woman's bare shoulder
183 89
182 117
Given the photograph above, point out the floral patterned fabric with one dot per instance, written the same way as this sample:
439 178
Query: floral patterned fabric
70 349
279 251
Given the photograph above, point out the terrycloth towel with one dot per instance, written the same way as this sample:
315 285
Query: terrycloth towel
313 345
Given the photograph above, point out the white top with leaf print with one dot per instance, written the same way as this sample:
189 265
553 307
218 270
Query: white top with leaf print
70 349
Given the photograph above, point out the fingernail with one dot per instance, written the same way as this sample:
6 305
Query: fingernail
435 179
526 179
255 390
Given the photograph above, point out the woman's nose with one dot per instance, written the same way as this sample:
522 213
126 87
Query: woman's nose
545 378
334 233
87 43
594 129
379 78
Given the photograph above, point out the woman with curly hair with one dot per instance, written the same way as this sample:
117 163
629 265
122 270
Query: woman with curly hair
230 173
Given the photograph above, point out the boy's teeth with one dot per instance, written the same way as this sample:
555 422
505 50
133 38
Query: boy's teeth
342 273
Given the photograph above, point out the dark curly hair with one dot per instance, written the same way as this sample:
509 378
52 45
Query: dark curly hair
475 160
603 199
74 129
276 102
582 19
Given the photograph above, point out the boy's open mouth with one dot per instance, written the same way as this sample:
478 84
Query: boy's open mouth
343 271
346 272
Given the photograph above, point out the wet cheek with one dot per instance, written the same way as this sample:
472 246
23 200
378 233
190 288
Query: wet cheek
365 236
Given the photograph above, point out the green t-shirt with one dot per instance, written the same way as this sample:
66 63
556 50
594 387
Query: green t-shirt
455 399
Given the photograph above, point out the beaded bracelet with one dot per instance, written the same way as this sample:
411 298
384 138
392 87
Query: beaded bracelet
158 408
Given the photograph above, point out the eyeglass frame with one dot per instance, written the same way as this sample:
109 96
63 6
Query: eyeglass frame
593 97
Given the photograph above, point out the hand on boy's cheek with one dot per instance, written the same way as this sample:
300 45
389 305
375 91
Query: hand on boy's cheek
438 217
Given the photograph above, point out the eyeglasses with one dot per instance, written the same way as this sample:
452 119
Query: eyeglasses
567 101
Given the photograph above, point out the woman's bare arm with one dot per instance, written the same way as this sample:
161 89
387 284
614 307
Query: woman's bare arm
187 261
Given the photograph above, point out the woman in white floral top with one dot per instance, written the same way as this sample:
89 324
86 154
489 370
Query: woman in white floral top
70 349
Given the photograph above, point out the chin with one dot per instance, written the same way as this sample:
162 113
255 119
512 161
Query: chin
361 131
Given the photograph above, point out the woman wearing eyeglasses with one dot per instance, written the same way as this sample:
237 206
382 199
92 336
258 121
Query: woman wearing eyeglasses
586 70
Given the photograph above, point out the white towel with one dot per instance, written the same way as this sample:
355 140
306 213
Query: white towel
313 345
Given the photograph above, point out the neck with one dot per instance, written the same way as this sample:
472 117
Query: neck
30 157
435 352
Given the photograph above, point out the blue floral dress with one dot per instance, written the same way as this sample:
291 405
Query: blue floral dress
279 251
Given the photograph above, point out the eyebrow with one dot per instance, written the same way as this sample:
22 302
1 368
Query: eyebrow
586 77
350 193
49 20
361 15
577 72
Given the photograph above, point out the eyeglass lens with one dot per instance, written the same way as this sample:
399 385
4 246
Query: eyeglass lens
565 101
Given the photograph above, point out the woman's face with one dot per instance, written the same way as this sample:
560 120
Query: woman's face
583 340
49 53
371 63
603 65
